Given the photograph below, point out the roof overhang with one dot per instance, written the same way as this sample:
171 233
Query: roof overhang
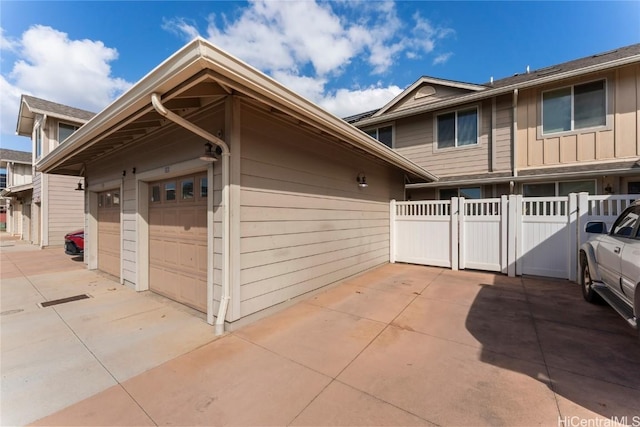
200 74
16 190
491 92
27 116
539 174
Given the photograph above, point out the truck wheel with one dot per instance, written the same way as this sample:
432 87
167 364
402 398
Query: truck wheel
587 291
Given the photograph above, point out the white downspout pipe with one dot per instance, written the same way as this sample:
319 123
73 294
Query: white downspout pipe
226 256
515 133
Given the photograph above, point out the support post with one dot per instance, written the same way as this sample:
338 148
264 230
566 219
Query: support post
392 231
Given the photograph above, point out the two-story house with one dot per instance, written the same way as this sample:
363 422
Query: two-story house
15 192
565 128
57 207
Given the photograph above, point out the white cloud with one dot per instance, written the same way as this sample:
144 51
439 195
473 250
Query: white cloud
6 44
306 44
51 66
347 102
442 58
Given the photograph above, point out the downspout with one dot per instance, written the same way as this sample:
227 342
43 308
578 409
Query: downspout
515 133
226 285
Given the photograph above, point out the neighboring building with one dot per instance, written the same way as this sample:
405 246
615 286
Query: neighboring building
566 128
57 208
15 192
299 201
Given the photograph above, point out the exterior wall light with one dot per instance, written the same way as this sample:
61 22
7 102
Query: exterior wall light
362 180
79 187
209 154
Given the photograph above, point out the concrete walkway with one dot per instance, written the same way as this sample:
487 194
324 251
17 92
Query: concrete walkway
400 345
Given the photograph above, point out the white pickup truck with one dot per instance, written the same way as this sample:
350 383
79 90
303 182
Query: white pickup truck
610 264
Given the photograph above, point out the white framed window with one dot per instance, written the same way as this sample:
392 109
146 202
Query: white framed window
383 134
466 192
574 107
38 141
559 188
457 128
65 131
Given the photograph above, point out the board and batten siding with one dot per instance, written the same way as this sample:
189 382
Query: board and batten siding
304 222
414 139
617 140
66 207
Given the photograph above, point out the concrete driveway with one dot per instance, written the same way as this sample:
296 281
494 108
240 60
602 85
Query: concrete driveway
399 345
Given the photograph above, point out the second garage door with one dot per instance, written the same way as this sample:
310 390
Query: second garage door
178 239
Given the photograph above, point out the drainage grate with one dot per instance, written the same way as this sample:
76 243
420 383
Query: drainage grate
63 300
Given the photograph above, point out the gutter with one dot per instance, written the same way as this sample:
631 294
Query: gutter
226 268
526 178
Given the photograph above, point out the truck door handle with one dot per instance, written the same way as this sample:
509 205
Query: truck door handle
616 250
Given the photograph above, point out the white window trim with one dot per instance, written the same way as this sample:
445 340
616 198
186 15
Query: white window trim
383 125
67 124
478 109
37 131
573 131
557 185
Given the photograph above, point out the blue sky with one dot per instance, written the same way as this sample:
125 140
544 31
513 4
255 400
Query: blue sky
347 56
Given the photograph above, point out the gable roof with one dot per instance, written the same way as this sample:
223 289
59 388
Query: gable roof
597 62
7 156
432 81
30 106
201 71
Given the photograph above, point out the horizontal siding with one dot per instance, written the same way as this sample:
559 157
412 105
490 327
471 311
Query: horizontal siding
129 228
66 207
415 140
37 187
304 221
504 132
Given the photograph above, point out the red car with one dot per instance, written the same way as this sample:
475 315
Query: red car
74 243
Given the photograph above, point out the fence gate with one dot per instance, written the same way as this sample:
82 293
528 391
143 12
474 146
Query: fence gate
514 235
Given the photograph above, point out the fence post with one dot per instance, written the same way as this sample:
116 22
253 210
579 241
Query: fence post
512 222
392 231
504 233
581 221
572 223
518 234
454 241
462 257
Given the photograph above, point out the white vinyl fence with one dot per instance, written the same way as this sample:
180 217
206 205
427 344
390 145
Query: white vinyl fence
514 235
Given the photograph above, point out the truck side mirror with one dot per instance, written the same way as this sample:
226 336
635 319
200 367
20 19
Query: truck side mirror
596 227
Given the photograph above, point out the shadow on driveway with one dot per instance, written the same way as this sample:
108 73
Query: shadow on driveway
586 353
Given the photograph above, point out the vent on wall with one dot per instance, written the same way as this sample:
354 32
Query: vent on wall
425 91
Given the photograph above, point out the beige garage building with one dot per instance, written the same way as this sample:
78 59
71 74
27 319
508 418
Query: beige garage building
213 185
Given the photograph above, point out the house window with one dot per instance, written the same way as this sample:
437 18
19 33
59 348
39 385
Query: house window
457 128
38 142
382 134
633 187
3 178
466 192
65 131
562 188
574 107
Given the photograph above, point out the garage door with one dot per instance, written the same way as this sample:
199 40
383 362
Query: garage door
109 232
178 239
